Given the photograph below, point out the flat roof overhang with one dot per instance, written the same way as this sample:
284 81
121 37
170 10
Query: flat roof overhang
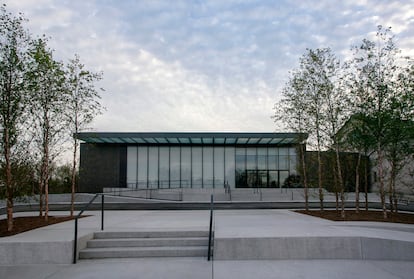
193 138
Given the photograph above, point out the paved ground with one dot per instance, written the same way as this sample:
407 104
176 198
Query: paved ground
229 223
180 268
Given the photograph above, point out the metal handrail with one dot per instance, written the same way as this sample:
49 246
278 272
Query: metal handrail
210 234
75 242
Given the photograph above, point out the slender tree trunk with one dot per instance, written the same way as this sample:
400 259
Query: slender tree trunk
72 199
366 183
394 194
8 175
41 187
357 183
391 186
335 188
340 180
305 179
46 164
381 180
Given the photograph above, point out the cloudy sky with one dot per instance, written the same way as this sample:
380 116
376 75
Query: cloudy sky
203 65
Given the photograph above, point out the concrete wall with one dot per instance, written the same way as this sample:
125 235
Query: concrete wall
309 248
101 166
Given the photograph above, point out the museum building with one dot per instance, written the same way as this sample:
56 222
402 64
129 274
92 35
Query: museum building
209 160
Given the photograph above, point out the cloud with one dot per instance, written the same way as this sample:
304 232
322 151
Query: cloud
203 65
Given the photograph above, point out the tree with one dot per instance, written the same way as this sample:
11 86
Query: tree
355 136
82 106
48 101
334 107
292 110
14 43
376 67
315 77
400 131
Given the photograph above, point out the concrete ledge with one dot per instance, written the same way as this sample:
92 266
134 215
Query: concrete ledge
387 249
310 248
16 253
172 205
45 252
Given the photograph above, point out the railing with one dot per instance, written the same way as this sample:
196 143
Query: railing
149 193
75 242
210 233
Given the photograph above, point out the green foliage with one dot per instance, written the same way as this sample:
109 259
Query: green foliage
60 179
24 179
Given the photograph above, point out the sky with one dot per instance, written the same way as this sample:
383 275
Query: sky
172 66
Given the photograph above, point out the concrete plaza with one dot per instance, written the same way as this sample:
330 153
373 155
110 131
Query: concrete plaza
246 244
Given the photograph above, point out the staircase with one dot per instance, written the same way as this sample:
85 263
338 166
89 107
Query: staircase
140 244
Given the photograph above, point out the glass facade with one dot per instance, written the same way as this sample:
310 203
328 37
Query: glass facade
209 166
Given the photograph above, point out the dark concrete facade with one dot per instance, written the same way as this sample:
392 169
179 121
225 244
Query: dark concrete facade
102 165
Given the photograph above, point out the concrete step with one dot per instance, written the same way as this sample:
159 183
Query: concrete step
147 242
150 234
140 252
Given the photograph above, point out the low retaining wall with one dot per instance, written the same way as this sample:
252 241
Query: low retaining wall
54 252
309 248
171 205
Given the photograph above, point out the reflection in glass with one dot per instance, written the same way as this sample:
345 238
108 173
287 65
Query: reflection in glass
219 167
208 180
197 168
132 166
273 179
262 179
152 167
174 167
142 166
283 159
164 171
185 167
251 178
262 158
273 159
251 159
241 168
230 166
283 175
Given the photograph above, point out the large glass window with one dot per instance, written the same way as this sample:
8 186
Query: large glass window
208 180
241 167
153 167
251 178
142 166
230 166
132 166
283 175
185 167
174 167
218 167
251 158
164 172
283 159
262 179
262 158
292 160
273 179
272 158
197 167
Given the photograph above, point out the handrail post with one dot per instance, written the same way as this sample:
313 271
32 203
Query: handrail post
102 212
75 240
75 243
211 228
